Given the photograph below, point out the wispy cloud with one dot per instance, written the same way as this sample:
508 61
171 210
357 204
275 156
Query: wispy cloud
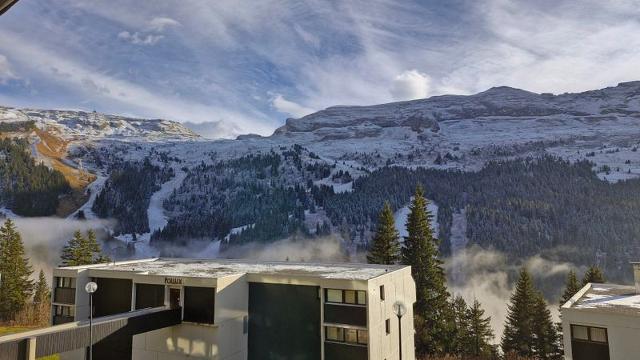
6 73
224 60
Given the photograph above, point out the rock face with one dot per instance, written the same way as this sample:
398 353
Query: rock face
426 114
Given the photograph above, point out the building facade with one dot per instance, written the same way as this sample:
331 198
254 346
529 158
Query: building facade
242 310
602 322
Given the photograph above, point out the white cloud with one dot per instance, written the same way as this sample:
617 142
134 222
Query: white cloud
410 85
158 24
6 73
140 39
289 107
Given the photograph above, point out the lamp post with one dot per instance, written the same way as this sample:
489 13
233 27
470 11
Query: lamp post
90 288
399 309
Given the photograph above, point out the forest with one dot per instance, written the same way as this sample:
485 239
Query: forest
28 188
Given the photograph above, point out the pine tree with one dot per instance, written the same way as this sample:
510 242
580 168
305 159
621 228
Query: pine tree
15 285
461 327
518 331
81 250
41 300
545 344
593 275
432 306
571 287
480 332
385 248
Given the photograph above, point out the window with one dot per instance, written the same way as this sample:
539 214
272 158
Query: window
335 333
353 297
387 326
64 310
580 332
598 334
363 337
382 292
334 296
66 282
149 296
199 303
590 334
351 336
346 335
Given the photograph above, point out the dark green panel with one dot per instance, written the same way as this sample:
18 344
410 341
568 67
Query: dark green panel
284 322
345 314
583 350
112 297
199 303
335 351
149 296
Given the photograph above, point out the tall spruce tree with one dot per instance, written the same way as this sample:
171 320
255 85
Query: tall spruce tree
432 299
545 343
518 330
385 247
480 332
593 275
41 300
15 285
571 287
81 250
460 339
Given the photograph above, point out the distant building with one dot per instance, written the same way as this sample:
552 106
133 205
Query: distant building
602 322
243 310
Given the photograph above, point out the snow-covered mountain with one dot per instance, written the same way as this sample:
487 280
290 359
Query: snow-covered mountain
72 125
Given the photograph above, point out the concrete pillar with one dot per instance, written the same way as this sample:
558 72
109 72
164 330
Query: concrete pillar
31 349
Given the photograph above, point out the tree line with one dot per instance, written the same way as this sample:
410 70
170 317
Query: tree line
446 325
24 301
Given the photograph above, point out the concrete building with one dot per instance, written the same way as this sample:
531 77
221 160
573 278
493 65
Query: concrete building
602 322
245 310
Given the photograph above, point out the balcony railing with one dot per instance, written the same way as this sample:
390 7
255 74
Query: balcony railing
64 296
62 319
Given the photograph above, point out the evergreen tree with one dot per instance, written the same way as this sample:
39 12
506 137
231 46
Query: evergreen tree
81 250
461 327
41 293
571 287
480 332
386 244
593 275
545 344
41 300
15 285
420 251
518 331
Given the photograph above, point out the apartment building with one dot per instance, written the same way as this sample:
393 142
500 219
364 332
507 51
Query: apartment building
602 322
244 310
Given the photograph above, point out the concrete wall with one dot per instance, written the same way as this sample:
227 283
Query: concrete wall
623 331
398 286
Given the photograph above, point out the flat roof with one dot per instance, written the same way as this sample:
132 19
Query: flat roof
217 268
610 298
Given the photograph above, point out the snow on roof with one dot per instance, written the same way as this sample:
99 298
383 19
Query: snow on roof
216 268
610 298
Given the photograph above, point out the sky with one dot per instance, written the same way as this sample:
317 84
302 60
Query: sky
233 67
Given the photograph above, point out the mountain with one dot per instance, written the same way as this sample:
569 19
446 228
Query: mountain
507 169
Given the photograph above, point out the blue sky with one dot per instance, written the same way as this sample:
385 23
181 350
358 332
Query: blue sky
245 66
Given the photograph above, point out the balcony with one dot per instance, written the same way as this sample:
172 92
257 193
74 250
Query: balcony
63 295
345 314
62 319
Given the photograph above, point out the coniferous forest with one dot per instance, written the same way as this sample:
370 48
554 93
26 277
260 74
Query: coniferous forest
28 188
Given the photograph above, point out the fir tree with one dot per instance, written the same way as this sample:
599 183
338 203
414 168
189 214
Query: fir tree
593 275
571 287
518 331
545 344
81 250
480 332
15 285
386 244
461 327
41 300
432 306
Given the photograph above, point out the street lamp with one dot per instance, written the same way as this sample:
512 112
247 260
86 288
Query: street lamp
399 309
90 288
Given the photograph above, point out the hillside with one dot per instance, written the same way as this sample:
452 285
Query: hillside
329 172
